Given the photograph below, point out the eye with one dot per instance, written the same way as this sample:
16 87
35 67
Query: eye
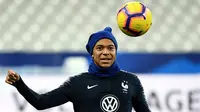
99 48
111 48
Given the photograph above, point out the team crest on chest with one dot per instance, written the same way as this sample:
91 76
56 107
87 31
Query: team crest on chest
109 103
124 85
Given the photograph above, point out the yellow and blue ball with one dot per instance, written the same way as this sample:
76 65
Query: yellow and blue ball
134 19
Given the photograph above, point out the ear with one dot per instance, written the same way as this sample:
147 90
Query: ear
92 56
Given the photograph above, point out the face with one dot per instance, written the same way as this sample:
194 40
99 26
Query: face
104 53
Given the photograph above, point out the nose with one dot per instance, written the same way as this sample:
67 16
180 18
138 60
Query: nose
105 51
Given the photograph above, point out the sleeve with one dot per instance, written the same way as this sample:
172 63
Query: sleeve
50 99
139 101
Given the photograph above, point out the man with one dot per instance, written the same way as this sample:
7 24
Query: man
104 88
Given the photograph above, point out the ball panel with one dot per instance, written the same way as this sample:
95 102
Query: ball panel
137 23
134 7
148 16
148 21
127 32
122 18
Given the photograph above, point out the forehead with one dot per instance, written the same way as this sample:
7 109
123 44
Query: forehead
105 42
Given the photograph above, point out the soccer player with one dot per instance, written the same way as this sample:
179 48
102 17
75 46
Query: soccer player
104 88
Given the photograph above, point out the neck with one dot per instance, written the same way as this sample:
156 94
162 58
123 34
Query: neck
100 71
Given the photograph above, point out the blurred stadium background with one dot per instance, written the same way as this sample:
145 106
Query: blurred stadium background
44 41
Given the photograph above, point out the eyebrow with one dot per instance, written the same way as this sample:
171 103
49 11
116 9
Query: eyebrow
105 45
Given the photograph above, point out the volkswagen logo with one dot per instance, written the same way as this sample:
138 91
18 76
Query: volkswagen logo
109 103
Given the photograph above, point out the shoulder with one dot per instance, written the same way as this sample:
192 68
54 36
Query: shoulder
131 76
128 74
77 77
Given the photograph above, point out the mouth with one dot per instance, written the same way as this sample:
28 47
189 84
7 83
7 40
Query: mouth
106 59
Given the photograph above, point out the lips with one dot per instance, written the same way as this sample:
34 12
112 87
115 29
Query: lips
105 58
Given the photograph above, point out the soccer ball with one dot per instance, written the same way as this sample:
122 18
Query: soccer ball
134 19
